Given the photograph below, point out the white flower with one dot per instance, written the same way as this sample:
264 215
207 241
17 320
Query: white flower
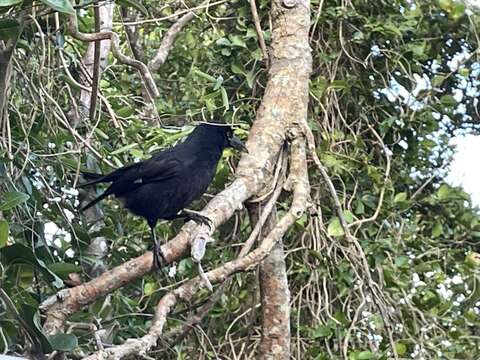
70 253
435 66
69 215
51 145
38 184
444 292
71 191
375 50
457 280
445 343
459 59
457 95
366 313
403 144
172 271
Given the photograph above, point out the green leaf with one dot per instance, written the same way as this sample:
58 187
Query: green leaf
365 355
101 134
444 192
237 41
437 230
448 100
335 228
223 42
124 149
3 233
250 79
225 101
62 269
401 261
27 184
465 72
20 254
73 84
32 320
218 83
125 111
458 10
338 84
9 29
348 216
4 3
226 51
401 348
63 6
12 199
63 342
445 4
237 69
359 207
322 331
438 80
149 288
204 75
134 4
400 197
473 259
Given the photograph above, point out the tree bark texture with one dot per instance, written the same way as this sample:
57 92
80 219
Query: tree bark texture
274 295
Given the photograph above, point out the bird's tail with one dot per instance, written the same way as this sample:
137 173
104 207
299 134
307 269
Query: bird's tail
93 178
94 201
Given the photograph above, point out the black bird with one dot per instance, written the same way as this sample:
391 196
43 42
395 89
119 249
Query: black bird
162 186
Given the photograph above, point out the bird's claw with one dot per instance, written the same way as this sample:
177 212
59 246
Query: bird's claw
158 257
201 220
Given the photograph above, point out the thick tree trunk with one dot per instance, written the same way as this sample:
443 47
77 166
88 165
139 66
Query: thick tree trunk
275 298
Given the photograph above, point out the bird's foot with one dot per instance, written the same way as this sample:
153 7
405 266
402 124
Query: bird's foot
158 257
199 219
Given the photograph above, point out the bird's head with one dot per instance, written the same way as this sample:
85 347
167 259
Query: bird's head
221 135
233 141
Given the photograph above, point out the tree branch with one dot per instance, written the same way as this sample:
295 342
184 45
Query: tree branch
275 295
113 37
258 29
168 40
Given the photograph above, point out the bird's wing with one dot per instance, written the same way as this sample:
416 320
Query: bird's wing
156 169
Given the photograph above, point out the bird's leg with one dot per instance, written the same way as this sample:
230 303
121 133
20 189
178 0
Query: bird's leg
195 216
158 257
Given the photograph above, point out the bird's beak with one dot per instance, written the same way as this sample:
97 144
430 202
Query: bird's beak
235 143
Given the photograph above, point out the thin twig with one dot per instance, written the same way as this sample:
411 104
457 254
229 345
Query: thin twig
258 29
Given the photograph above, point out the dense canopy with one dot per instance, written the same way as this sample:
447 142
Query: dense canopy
381 254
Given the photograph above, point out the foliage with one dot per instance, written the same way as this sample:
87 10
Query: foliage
421 248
